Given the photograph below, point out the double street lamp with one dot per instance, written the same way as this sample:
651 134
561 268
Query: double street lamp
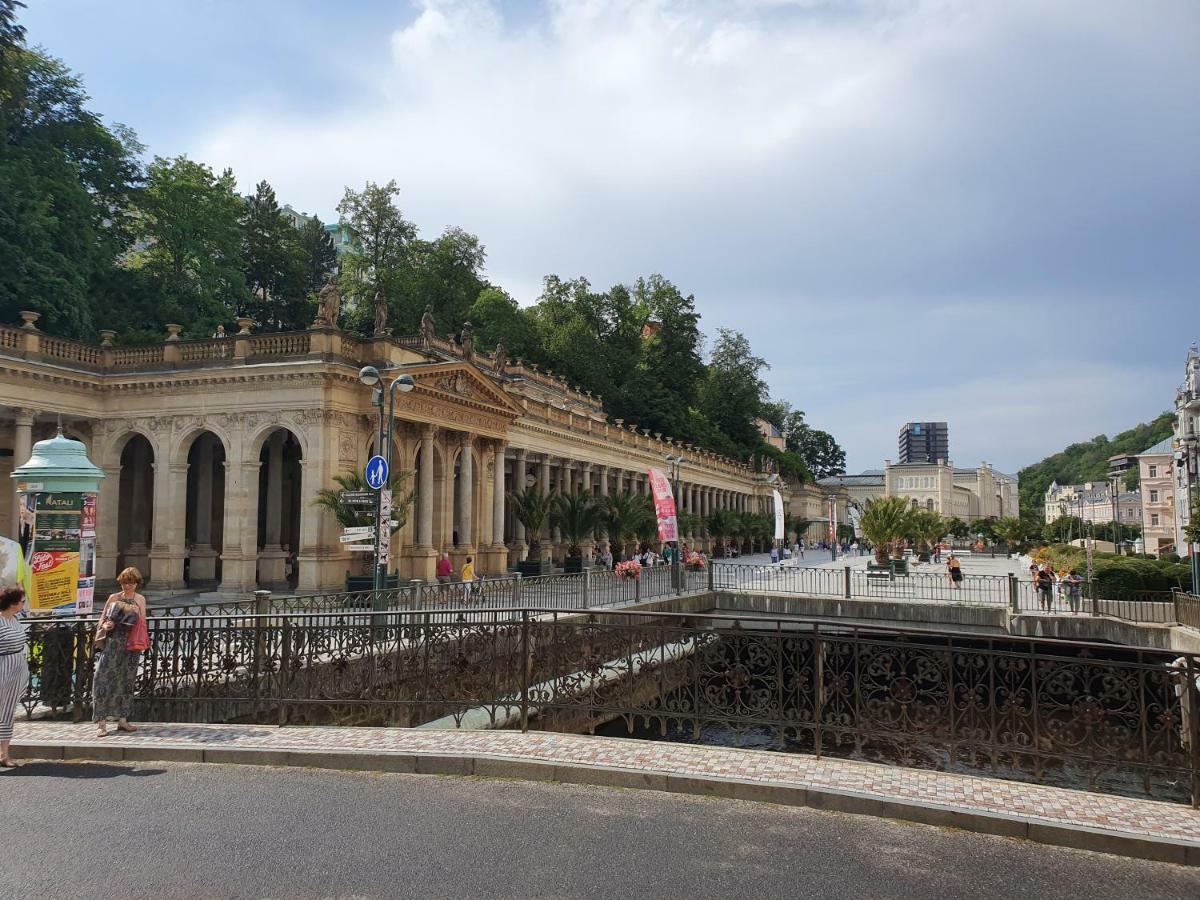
371 377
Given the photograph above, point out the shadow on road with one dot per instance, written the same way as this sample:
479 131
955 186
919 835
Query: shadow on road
78 770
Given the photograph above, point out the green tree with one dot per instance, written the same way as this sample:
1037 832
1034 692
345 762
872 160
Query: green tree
65 186
275 265
446 274
496 317
317 252
380 242
190 220
1011 530
733 390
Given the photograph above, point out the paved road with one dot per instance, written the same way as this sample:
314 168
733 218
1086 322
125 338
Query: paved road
165 830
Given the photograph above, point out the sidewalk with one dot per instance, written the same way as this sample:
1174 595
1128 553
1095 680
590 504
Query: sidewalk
1141 828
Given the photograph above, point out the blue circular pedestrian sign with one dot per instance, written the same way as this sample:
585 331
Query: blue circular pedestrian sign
376 472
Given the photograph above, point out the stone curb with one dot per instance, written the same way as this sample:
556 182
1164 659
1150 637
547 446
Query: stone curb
1120 843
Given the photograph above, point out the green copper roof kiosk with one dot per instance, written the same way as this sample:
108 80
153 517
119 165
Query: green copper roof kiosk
56 496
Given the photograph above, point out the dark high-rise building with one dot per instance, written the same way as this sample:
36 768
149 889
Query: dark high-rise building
924 442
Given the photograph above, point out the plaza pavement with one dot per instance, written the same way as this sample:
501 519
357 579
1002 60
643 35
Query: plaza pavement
1132 827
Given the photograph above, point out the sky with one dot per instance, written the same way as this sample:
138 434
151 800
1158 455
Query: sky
974 211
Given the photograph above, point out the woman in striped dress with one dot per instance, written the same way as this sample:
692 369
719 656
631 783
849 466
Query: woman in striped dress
14 669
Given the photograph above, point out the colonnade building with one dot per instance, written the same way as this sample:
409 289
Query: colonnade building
215 451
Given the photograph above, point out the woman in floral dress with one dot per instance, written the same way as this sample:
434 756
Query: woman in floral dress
122 630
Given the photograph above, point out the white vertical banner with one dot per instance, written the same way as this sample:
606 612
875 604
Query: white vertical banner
778 514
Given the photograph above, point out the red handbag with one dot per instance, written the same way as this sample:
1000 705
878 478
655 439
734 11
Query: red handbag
139 636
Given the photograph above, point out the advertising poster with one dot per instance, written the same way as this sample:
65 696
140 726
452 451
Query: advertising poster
664 506
13 570
87 557
54 560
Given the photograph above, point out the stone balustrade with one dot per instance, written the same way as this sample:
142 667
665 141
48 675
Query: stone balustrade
564 407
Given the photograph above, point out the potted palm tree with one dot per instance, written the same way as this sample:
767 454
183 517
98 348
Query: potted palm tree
926 528
721 527
577 516
624 515
884 523
532 509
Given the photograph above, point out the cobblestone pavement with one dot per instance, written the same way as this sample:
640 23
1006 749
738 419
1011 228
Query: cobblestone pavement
1031 802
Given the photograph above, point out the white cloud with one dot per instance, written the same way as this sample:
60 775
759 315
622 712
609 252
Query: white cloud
817 165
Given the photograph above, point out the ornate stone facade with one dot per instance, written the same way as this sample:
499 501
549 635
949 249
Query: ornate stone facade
215 451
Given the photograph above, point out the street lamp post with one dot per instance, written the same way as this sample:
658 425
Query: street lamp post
370 376
1116 532
673 465
832 498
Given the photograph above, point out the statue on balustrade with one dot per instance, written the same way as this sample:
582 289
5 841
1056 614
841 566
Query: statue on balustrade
381 314
329 303
427 326
500 357
468 341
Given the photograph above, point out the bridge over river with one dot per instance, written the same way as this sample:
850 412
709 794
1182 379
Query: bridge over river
824 660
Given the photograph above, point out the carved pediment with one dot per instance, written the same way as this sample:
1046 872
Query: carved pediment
464 383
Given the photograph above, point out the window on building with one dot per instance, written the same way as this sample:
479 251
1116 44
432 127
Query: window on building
929 504
1154 496
1154 519
1153 472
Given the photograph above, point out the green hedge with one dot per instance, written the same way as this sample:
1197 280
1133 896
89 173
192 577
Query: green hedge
1121 574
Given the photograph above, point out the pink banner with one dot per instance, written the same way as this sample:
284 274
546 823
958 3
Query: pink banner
664 506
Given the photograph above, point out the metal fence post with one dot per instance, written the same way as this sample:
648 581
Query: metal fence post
1014 603
847 582
637 590
516 590
584 585
524 670
712 569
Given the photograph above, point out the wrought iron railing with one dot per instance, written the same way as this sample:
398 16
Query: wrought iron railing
1187 609
1019 595
1082 715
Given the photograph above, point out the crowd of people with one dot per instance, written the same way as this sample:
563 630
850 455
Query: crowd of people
1065 586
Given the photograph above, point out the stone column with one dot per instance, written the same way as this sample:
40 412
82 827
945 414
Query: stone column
497 551
203 557
544 482
585 487
520 474
22 448
603 481
271 558
466 493
170 511
425 492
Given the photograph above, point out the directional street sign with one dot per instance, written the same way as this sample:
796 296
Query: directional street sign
357 498
357 538
361 548
357 529
376 472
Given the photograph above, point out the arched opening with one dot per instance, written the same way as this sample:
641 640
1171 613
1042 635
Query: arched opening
279 473
135 506
205 519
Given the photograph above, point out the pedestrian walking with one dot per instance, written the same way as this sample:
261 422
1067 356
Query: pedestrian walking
801 546
444 569
121 637
774 554
14 669
954 572
468 577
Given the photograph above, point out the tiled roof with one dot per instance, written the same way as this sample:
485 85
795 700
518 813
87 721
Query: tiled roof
1163 446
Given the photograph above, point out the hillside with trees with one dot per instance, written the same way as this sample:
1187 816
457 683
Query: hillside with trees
1088 461
93 236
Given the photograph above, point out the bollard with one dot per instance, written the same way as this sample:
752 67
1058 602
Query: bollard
1013 601
262 602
